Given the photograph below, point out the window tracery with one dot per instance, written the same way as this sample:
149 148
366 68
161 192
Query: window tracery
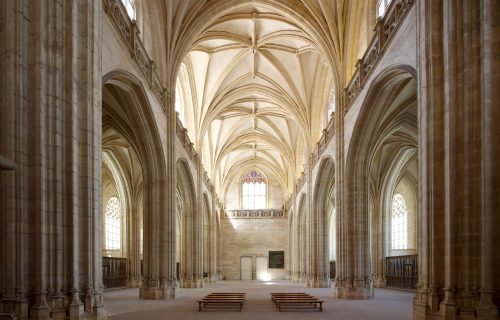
254 191
113 224
399 223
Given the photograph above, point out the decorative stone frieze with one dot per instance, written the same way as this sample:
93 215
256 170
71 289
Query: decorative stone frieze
129 32
255 214
385 29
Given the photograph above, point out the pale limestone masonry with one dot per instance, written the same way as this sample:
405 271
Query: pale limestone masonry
51 129
251 238
87 110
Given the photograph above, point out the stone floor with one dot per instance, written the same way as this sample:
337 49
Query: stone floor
387 305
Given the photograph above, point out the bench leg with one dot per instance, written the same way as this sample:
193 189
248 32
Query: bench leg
321 306
199 306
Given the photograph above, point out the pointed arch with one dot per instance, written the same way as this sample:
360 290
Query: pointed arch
187 193
387 117
324 185
127 110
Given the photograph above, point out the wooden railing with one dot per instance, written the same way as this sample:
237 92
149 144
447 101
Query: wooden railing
129 33
114 272
384 33
401 272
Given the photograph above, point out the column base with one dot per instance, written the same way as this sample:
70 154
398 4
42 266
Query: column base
40 309
213 278
318 281
16 305
358 289
192 283
165 293
134 283
379 281
456 304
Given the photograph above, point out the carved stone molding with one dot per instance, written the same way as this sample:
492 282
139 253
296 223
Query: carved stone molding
256 214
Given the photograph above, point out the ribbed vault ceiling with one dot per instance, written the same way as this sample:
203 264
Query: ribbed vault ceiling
254 88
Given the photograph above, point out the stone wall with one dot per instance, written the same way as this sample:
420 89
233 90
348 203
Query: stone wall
251 237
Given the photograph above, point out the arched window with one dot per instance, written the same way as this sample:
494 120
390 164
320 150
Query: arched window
130 7
113 224
382 6
331 104
141 240
179 108
254 191
399 223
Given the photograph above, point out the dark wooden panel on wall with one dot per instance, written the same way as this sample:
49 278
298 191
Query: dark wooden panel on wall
276 259
401 272
114 272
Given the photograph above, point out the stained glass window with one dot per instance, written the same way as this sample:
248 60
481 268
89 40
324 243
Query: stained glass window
113 224
254 191
399 223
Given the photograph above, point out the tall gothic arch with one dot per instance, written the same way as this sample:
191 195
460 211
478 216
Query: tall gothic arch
191 255
377 120
158 279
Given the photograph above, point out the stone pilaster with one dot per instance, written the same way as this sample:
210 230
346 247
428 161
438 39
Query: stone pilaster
51 129
459 186
159 278
213 242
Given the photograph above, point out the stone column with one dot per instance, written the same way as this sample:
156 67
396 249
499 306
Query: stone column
170 233
318 272
133 239
198 230
50 126
459 45
213 240
291 246
159 268
378 240
353 278
296 237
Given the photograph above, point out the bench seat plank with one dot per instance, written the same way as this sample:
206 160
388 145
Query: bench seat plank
279 302
205 302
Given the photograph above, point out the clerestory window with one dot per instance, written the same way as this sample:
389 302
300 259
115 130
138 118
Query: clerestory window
130 7
331 104
254 191
382 6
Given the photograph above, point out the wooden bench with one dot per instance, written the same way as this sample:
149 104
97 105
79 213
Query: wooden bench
227 301
225 295
227 298
290 295
242 293
285 293
304 300
274 296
